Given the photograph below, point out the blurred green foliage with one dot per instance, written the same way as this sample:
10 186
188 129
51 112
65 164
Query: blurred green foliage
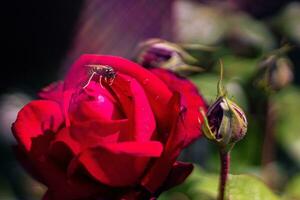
271 148
292 191
288 121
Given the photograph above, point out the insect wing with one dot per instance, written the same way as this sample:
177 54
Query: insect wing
79 75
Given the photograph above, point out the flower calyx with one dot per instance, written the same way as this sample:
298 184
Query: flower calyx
163 54
225 123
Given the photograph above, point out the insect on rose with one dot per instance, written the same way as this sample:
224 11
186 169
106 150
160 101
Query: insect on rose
103 71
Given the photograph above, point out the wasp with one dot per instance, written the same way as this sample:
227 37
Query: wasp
103 71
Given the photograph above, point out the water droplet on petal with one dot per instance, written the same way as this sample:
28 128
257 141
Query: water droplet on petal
101 99
146 81
183 109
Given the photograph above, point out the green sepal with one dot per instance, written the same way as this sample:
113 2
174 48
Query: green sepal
206 128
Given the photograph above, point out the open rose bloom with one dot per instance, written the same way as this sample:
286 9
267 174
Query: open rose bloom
118 139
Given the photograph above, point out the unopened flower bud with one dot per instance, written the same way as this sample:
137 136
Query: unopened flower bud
163 54
275 72
225 122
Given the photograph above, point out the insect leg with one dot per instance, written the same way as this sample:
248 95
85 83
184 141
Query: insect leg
100 81
88 82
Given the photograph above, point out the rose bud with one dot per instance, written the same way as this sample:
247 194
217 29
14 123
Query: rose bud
110 130
275 72
163 54
225 122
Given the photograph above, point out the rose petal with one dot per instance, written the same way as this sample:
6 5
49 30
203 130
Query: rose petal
136 106
35 119
63 188
158 99
191 102
67 96
83 135
59 186
119 164
159 171
91 133
94 102
64 137
138 149
53 92
137 193
32 122
179 172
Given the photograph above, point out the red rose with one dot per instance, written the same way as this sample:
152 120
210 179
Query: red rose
114 137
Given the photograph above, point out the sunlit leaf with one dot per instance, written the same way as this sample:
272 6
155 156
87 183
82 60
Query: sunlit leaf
202 185
247 187
292 191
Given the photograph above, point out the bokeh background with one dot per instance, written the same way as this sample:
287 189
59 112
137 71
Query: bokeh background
42 38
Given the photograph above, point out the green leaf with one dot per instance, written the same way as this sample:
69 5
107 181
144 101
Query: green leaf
248 187
201 185
292 191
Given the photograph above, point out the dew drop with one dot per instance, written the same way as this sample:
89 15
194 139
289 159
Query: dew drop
101 98
183 109
146 81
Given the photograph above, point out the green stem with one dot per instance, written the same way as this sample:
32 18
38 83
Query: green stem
225 165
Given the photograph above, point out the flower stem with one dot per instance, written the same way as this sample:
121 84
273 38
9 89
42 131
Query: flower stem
225 164
268 147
